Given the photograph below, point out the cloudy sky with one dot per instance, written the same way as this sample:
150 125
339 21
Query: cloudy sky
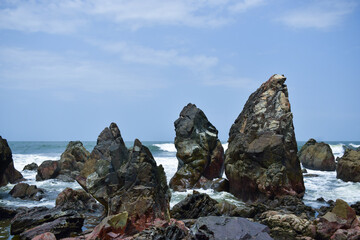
69 68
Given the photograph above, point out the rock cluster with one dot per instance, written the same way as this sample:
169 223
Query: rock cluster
126 180
317 156
199 151
348 167
8 174
261 160
26 191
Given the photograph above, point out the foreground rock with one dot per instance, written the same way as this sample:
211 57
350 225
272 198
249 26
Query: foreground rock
48 170
26 191
8 174
348 167
199 151
261 160
340 223
35 221
317 156
126 181
31 167
72 160
216 227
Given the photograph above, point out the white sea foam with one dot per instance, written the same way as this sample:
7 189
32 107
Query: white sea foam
167 147
225 146
337 149
21 160
354 145
170 165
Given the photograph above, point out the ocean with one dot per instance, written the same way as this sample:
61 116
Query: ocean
325 185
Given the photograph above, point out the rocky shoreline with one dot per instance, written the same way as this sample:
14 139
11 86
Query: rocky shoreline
126 196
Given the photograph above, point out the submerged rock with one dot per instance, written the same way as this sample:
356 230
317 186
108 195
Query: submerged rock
31 167
26 191
317 156
199 151
126 181
48 170
232 228
261 160
348 166
8 174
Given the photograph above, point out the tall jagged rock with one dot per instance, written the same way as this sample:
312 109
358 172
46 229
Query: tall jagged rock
317 156
126 180
199 151
8 174
261 160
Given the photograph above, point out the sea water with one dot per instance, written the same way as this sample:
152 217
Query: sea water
325 185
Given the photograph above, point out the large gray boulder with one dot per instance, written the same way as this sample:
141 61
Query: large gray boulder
8 173
199 151
317 156
261 160
348 166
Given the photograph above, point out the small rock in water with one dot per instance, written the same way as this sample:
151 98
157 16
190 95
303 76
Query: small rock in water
26 191
48 170
321 199
31 167
348 167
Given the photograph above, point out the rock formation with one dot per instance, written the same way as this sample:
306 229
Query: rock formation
348 166
126 180
31 167
26 191
8 174
47 170
199 150
317 156
261 160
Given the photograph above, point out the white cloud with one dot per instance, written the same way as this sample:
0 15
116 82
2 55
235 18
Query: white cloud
245 5
319 14
33 70
145 55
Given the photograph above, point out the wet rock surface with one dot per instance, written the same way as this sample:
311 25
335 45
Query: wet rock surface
199 151
317 156
26 191
31 167
8 173
261 160
348 167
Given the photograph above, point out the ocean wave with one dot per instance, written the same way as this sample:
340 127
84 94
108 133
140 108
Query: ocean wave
354 145
21 160
337 149
167 147
225 146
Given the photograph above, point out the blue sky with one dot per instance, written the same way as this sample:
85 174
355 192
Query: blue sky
69 68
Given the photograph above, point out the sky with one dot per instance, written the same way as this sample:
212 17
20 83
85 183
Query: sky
69 68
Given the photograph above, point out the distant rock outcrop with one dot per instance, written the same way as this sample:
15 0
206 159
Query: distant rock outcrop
317 156
31 167
348 166
199 151
261 160
126 180
8 174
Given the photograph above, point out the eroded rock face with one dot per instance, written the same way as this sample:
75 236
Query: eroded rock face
8 174
348 167
126 180
261 160
199 150
317 156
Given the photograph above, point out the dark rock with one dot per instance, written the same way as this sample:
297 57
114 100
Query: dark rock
215 227
317 156
38 220
309 175
217 184
342 217
48 170
321 199
304 170
194 206
26 191
199 150
261 160
356 207
78 200
348 166
31 167
10 212
125 180
8 174
73 159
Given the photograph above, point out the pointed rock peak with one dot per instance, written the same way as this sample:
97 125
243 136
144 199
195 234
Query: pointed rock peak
189 110
110 133
73 144
311 141
114 130
137 145
274 80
